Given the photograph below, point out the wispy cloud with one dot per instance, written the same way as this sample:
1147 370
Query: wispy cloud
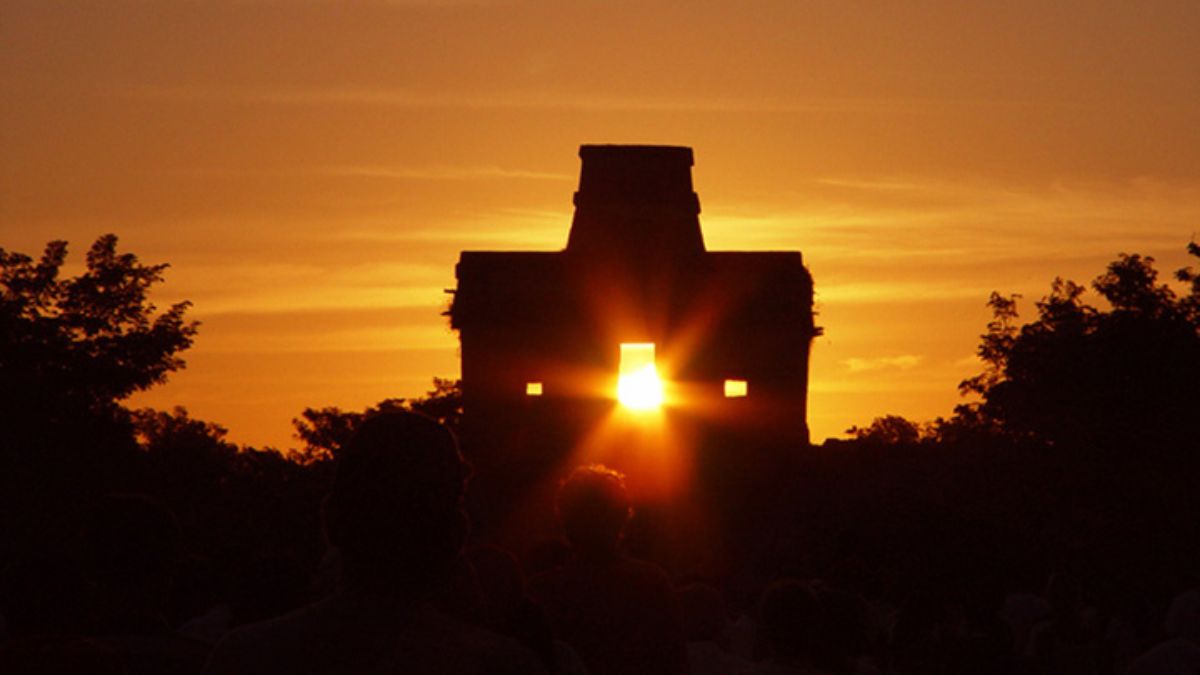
433 333
904 362
497 229
899 291
500 97
271 288
397 3
876 185
452 173
380 171
916 219
398 97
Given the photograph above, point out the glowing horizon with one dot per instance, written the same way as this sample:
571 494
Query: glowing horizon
311 171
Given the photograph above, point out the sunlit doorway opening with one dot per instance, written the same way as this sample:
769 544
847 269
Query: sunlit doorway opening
638 384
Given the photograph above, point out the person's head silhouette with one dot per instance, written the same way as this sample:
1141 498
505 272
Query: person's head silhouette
593 506
395 511
789 613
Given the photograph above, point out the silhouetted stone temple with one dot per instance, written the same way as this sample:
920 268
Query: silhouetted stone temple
542 332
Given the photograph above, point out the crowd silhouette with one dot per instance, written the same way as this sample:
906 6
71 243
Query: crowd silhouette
401 591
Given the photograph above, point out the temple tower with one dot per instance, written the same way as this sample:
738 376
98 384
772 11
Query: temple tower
541 332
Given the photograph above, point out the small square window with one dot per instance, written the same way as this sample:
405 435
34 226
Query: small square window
533 389
736 388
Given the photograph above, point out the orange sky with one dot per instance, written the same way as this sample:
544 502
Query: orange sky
311 168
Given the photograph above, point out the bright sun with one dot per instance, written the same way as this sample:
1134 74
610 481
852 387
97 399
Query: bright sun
638 385
641 390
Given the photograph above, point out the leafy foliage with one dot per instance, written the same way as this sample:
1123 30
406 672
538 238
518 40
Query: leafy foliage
1123 377
889 430
160 431
326 431
442 403
71 348
86 341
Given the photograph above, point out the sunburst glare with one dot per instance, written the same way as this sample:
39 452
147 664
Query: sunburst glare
638 385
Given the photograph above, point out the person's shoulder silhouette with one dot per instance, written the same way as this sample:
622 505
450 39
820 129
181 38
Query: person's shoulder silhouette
620 614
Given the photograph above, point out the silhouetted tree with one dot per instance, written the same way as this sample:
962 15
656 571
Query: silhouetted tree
325 431
1190 304
71 349
173 431
229 498
442 403
968 425
88 341
270 503
889 430
189 460
1081 376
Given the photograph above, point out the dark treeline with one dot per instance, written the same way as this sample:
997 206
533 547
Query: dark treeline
1079 460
